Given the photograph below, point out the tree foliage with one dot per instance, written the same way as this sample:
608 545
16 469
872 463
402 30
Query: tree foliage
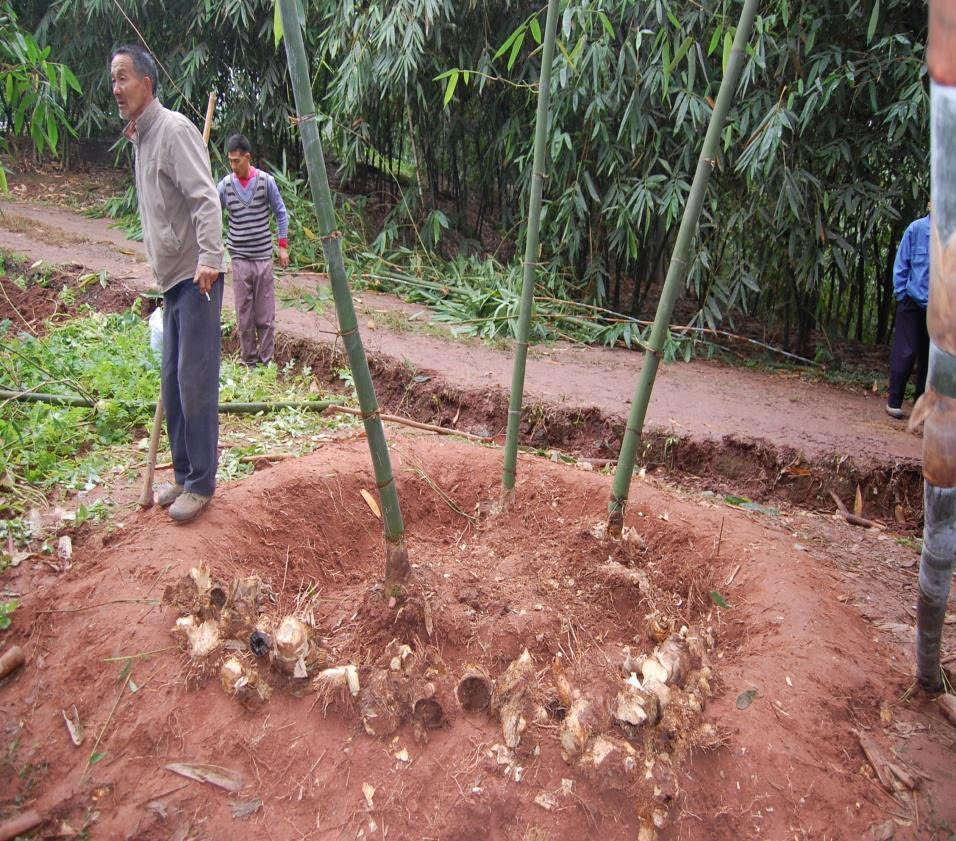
33 88
823 160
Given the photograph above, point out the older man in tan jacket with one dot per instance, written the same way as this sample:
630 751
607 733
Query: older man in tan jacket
182 231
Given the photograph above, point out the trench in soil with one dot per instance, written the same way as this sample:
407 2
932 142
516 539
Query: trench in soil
735 465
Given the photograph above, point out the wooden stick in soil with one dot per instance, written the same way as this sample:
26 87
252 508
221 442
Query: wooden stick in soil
851 518
146 497
397 566
11 660
20 825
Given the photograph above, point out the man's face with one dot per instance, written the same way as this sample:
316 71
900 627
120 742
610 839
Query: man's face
131 91
240 162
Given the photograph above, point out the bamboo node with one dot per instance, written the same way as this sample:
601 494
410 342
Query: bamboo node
332 235
296 121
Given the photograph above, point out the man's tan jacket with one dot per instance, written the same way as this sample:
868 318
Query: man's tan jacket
178 202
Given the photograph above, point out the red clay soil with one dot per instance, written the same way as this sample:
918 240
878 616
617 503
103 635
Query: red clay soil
786 765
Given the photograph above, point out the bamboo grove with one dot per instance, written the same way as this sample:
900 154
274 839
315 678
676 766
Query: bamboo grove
430 103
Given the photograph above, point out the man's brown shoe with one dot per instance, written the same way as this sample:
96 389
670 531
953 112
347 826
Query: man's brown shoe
187 507
169 493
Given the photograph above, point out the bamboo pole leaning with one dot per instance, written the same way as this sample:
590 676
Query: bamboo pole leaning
397 568
530 260
677 271
937 407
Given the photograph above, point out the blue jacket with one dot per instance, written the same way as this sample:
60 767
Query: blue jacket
911 269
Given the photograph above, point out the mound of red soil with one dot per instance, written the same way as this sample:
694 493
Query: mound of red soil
780 761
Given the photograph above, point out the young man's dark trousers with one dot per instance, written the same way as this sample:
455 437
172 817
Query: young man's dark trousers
190 382
910 348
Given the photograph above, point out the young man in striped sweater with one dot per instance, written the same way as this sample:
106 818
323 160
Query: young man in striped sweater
248 195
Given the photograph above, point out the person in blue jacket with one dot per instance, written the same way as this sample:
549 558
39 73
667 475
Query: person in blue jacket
911 339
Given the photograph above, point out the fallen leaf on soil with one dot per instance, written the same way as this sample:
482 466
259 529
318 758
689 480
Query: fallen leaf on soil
245 808
886 714
74 725
547 801
212 774
369 792
745 699
858 503
718 599
370 501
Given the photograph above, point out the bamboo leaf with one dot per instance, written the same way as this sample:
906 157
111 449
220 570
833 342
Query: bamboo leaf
874 19
728 45
606 23
515 49
96 757
450 87
277 25
508 42
535 30
714 41
718 599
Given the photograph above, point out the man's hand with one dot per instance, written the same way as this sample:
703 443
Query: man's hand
205 277
284 257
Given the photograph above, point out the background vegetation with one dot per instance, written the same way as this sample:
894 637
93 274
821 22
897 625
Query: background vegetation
427 106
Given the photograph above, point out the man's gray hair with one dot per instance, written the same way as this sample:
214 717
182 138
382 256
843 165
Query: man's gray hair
143 62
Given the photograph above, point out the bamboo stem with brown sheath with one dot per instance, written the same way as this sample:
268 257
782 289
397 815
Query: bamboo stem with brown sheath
146 497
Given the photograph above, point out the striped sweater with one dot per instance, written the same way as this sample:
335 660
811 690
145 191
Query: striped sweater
248 207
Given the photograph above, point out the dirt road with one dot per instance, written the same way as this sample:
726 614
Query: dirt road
769 421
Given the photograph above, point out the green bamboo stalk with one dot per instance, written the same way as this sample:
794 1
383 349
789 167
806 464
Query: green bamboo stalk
677 272
397 568
530 260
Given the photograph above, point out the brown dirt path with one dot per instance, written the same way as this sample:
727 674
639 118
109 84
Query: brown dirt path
701 401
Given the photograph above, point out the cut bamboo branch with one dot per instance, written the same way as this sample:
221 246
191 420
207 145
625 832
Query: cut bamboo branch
530 260
397 567
677 272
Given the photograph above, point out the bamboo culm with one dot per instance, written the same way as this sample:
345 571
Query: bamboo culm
936 409
530 259
677 271
397 566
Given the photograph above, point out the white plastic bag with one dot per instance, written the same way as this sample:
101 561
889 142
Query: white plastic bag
156 330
